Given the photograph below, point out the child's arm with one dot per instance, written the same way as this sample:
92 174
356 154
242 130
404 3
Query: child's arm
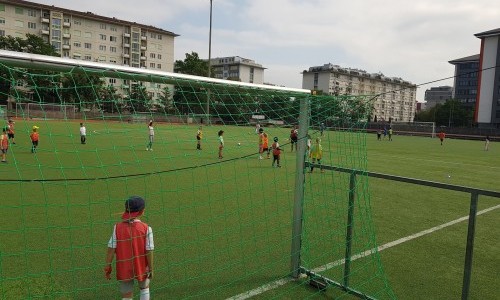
149 257
109 259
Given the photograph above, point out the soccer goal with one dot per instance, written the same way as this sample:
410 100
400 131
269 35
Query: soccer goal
45 111
416 128
230 218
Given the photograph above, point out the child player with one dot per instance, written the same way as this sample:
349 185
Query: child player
132 243
276 152
151 136
293 136
316 154
261 142
199 136
83 134
34 138
10 131
4 143
265 145
221 143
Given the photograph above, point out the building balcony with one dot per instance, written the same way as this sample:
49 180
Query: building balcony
143 48
126 34
143 57
44 20
44 31
66 47
126 45
126 55
67 35
143 38
66 24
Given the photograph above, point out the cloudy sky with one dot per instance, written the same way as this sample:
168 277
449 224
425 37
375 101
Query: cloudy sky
413 40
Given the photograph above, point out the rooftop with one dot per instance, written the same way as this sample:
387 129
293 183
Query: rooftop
492 32
472 58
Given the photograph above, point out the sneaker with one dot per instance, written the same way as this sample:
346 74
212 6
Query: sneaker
260 157
4 161
147 149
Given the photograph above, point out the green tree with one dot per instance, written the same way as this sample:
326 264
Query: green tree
192 65
452 113
165 100
32 44
83 90
139 99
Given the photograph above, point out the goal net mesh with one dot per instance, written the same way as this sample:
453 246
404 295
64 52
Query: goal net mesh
222 227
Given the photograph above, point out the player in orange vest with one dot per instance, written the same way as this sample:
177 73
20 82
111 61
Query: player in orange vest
441 136
4 144
34 139
132 242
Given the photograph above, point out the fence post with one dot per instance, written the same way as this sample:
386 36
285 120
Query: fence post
350 226
299 187
471 230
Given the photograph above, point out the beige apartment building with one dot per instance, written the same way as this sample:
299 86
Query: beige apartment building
87 36
235 67
393 98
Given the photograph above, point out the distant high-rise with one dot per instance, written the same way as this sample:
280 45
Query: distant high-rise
437 95
393 98
465 83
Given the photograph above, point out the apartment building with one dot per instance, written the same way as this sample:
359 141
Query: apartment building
393 98
238 68
437 95
87 36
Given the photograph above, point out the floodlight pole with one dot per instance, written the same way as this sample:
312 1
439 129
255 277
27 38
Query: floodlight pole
209 63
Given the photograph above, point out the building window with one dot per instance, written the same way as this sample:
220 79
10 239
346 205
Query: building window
102 58
19 23
158 66
88 46
32 13
77 22
87 34
112 80
2 21
152 65
153 35
103 26
31 25
112 60
2 7
19 11
152 55
102 48
112 28
112 49
87 57
159 36
159 56
77 44
2 32
102 37
66 20
112 38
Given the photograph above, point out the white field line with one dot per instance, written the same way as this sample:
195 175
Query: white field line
283 281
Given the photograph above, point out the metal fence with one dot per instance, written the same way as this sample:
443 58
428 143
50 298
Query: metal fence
474 198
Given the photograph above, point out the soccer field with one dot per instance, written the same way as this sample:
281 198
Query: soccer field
60 206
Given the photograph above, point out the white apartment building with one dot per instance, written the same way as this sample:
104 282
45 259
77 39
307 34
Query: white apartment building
393 98
87 36
235 67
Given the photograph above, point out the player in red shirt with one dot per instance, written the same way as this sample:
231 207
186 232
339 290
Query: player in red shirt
10 131
441 136
34 139
4 144
132 242
294 136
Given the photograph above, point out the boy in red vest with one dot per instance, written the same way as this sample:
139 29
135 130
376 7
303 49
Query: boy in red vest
4 144
132 242
276 152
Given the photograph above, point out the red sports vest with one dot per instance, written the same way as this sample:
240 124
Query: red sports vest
131 261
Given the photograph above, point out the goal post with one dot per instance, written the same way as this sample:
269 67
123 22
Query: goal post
228 217
415 128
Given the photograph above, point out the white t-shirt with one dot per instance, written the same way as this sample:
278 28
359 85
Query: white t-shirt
83 130
151 130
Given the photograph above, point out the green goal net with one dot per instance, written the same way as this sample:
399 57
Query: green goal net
234 227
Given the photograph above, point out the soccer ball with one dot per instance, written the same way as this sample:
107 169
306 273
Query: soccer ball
239 144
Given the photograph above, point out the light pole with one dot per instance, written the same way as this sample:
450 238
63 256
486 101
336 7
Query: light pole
209 63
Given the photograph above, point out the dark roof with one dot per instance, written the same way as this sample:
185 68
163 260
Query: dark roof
87 15
471 58
488 33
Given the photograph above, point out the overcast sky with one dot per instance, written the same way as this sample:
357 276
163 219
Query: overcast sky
413 40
